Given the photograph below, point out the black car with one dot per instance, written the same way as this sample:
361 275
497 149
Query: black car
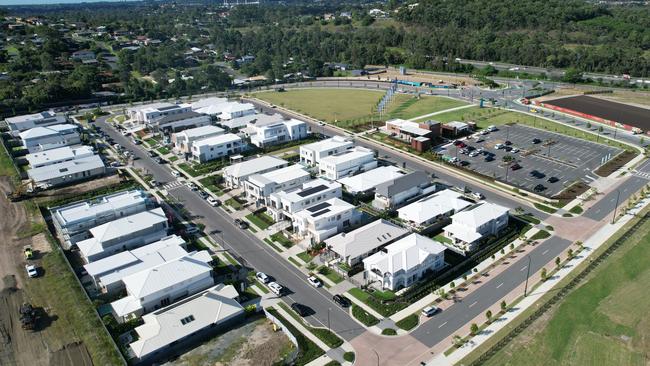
552 179
152 154
241 223
507 148
537 174
342 300
489 158
507 142
161 161
536 141
464 163
539 188
301 309
515 166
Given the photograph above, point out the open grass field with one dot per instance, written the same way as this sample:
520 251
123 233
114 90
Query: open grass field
408 106
603 322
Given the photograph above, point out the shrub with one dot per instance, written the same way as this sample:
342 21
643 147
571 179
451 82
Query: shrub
363 316
389 331
348 356
473 329
408 323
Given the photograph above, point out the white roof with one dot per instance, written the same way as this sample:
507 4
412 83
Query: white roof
151 106
457 124
409 126
201 131
328 144
120 228
370 179
479 214
365 239
308 189
168 274
180 320
59 154
325 209
89 210
253 166
207 102
266 119
440 203
239 121
279 176
31 117
217 140
37 132
237 107
357 152
404 254
45 173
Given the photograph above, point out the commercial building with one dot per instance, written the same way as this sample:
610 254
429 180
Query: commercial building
348 162
456 128
404 262
164 284
183 140
365 183
73 222
263 135
122 234
51 137
391 194
356 245
216 147
419 135
107 273
284 204
433 208
235 175
59 155
43 119
260 186
67 172
325 219
149 112
188 320
311 154
179 121
470 227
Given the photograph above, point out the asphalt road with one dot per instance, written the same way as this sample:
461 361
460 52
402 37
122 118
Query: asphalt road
605 207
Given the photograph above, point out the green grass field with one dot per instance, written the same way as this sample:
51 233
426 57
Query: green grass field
603 322
407 106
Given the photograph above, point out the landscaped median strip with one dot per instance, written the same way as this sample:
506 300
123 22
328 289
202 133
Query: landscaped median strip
329 339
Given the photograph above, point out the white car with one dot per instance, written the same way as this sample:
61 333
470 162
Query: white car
212 201
429 311
499 146
192 186
275 287
31 270
314 281
514 151
477 196
263 277
473 154
176 174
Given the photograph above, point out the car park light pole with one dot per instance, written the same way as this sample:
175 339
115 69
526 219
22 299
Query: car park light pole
618 195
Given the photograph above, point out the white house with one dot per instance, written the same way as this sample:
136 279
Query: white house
124 233
49 137
29 121
179 121
67 172
255 122
433 208
239 122
311 154
206 312
469 227
260 186
183 140
207 105
107 273
284 204
366 182
404 262
235 175
352 247
148 112
59 155
216 147
276 133
348 162
235 110
394 193
325 219
164 284
73 221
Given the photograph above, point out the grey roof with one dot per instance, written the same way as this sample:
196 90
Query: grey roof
365 239
403 183
45 173
177 117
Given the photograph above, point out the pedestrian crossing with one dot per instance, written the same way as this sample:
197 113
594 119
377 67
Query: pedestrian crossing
172 185
645 175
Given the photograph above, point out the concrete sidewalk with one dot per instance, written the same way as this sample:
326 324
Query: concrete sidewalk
443 111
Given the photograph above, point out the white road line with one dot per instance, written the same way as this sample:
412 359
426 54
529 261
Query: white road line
442 325
544 252
472 304
501 284
523 268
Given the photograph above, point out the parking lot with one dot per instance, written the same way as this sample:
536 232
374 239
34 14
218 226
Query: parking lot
545 162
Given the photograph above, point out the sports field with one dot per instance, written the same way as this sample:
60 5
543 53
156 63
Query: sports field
603 322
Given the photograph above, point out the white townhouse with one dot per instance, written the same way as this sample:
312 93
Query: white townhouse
166 331
404 262
107 273
179 121
124 233
311 154
260 186
470 227
50 137
433 208
59 155
208 105
346 163
164 284
284 204
235 175
325 219
277 133
148 112
43 119
366 182
73 221
67 172
356 245
183 140
394 193
235 110
217 147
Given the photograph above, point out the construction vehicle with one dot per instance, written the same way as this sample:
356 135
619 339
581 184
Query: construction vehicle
28 316
24 190
28 251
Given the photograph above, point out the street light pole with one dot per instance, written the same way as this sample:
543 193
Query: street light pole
328 319
618 195
527 275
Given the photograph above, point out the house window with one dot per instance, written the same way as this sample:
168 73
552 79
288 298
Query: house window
187 319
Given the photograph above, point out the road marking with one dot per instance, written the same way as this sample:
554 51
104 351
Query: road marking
472 304
544 252
442 325
501 284
523 268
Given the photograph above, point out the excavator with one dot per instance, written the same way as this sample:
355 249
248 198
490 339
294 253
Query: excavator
22 191
28 316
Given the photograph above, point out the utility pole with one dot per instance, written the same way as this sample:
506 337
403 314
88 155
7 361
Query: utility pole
527 275
618 195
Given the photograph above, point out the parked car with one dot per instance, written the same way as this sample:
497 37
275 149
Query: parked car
537 174
507 148
241 224
32 271
152 154
499 146
314 281
176 173
474 154
552 179
263 277
342 300
477 196
464 163
192 186
301 309
507 142
457 142
479 139
160 160
455 160
539 188
153 183
515 166
489 158
536 141
191 229
276 288
213 201
203 194
514 150
429 311
491 128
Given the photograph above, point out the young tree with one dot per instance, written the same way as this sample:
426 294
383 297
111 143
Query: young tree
558 261
544 274
570 253
488 315
473 329
504 306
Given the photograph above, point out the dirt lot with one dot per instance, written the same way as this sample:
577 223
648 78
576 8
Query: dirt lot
613 111
252 344
412 75
632 97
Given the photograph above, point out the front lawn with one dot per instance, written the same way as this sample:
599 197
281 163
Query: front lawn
232 202
409 322
330 274
304 256
260 219
279 237
363 316
163 150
